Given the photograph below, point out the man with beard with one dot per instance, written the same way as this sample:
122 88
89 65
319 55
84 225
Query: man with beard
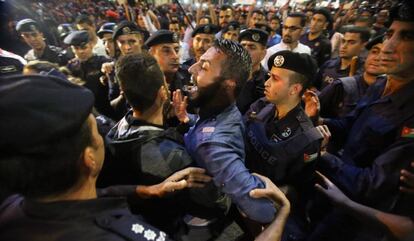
30 31
163 45
215 141
254 41
293 28
87 66
316 39
203 38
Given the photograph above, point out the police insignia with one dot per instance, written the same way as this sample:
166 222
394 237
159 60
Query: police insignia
175 37
207 29
316 44
208 129
126 30
286 132
407 132
256 37
33 27
231 28
279 60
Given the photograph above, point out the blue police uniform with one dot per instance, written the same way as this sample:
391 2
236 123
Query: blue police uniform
216 143
379 144
93 219
252 90
331 70
320 46
50 53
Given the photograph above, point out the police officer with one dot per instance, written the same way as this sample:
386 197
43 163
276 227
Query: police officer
254 41
352 45
105 33
87 66
231 31
10 63
281 138
33 36
203 38
52 157
316 39
83 22
164 46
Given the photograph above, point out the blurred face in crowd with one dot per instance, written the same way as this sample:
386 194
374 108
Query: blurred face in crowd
318 23
34 39
83 52
141 22
397 53
175 28
372 64
232 35
382 16
278 88
206 75
292 30
203 21
274 24
90 29
129 43
256 51
256 18
225 16
167 56
109 44
351 45
202 42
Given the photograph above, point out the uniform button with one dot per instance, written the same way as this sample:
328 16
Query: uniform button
222 184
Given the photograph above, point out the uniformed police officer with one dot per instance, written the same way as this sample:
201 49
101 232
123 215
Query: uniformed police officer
87 66
231 31
316 39
105 33
254 41
164 46
52 157
352 45
203 38
33 36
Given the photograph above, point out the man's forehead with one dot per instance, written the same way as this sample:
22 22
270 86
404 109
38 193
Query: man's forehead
167 45
204 36
402 25
292 21
226 12
212 54
128 37
352 36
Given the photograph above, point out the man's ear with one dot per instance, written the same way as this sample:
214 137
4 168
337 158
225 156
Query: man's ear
295 89
89 161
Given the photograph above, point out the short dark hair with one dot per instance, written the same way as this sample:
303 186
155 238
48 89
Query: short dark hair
40 65
275 17
402 11
210 21
301 79
238 63
225 7
140 78
299 15
364 33
51 169
364 20
84 19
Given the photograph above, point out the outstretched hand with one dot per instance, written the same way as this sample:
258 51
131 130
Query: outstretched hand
407 178
330 190
180 104
312 104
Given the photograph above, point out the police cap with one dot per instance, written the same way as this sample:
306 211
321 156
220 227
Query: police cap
77 38
232 26
38 109
106 28
300 63
254 35
206 29
162 37
374 41
64 30
126 27
263 27
27 25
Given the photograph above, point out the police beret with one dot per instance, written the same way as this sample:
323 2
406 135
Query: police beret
300 63
233 25
374 41
126 27
106 28
27 25
162 37
254 35
38 109
325 12
64 30
77 38
263 27
206 29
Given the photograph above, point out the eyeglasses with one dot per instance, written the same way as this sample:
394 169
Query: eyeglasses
30 34
291 28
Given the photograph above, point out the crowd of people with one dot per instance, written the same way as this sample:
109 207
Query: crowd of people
133 121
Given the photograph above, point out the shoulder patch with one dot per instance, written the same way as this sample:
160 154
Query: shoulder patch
407 132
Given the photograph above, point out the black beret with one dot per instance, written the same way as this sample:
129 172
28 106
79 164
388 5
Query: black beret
27 25
233 25
254 35
263 27
206 29
162 37
374 41
106 28
77 38
325 12
126 27
64 30
300 63
39 109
